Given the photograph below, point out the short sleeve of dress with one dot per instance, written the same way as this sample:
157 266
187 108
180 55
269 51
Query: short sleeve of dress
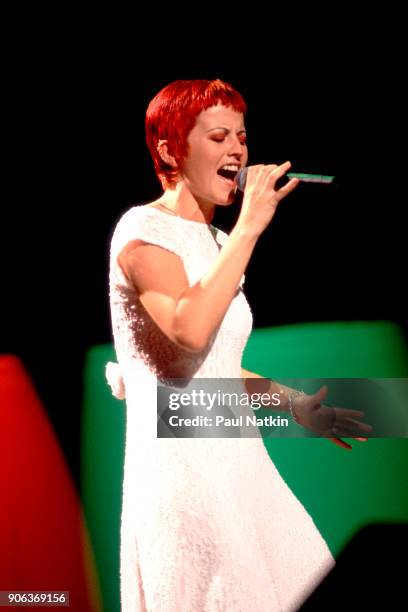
142 223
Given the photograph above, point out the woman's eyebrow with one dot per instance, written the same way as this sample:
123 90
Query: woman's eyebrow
226 130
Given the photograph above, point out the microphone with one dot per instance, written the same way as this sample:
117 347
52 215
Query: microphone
241 178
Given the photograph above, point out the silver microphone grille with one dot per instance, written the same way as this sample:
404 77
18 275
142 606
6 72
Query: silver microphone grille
241 178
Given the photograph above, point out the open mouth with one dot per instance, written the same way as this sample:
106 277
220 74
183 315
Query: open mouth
228 173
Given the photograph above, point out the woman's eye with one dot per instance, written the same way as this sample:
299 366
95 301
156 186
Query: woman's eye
242 140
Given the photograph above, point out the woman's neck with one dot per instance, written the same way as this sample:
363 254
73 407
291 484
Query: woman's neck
179 201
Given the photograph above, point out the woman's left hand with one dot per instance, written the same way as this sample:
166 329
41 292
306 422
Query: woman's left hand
330 422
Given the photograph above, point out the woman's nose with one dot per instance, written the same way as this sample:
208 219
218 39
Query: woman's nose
237 147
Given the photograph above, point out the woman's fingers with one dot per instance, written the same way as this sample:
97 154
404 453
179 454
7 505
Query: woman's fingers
277 173
349 419
359 424
259 174
341 443
346 423
274 176
344 444
281 169
347 412
283 191
265 177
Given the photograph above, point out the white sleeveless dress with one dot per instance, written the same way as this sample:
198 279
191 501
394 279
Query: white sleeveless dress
208 525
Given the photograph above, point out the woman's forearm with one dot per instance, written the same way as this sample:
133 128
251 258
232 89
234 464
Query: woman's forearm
269 387
201 308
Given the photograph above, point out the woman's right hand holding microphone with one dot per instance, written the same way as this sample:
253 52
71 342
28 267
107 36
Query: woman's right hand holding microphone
261 198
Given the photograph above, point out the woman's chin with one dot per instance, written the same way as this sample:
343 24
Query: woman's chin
228 199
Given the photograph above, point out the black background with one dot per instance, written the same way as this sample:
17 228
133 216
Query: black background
77 159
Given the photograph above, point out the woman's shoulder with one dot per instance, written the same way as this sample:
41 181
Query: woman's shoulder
143 217
146 223
135 212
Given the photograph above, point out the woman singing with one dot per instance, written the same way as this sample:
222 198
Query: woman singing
208 524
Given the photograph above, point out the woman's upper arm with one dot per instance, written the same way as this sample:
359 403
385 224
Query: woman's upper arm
160 279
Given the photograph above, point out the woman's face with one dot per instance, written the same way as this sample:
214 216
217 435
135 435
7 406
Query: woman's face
217 140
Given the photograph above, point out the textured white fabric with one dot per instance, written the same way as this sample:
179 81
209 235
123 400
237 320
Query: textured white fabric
208 525
115 380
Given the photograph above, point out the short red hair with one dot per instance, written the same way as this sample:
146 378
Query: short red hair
172 113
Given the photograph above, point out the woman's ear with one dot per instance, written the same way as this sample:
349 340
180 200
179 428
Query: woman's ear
162 148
